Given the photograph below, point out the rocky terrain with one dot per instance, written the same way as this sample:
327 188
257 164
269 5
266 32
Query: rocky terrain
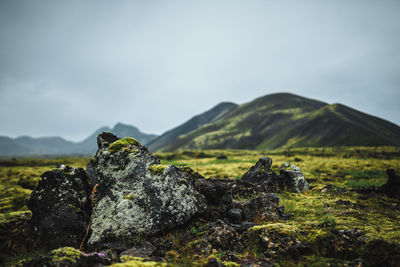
127 209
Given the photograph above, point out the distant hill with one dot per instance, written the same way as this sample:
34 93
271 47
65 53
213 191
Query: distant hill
89 145
26 145
212 115
285 120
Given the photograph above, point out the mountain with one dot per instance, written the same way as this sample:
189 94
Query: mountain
89 145
26 145
285 120
212 115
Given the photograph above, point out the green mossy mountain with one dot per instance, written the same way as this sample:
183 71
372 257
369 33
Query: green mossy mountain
216 113
286 120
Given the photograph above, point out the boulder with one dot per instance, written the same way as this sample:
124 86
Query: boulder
60 206
290 177
260 173
136 196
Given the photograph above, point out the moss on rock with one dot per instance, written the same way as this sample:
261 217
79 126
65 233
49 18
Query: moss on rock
126 143
157 169
65 255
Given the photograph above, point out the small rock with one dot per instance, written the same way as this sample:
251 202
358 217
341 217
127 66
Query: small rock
392 186
142 250
235 216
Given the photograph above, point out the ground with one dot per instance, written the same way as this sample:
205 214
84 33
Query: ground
336 223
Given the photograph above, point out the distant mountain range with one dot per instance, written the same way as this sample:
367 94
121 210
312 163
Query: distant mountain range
26 145
280 120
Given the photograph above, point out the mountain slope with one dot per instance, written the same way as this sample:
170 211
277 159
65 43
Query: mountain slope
89 145
287 120
26 145
212 115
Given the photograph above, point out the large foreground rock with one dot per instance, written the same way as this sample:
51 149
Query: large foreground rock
60 207
135 195
290 177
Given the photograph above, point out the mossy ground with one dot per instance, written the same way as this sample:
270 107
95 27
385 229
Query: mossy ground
331 172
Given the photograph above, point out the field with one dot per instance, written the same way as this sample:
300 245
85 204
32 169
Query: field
332 204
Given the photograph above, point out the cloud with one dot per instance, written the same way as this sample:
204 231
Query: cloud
68 68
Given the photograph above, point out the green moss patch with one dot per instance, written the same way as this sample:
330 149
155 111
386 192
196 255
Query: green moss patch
157 169
126 143
65 255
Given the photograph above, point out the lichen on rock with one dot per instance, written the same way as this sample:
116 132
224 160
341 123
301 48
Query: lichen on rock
60 207
161 200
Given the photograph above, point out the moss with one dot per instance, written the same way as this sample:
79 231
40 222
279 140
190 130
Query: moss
183 181
65 255
281 228
230 264
126 143
186 169
157 169
130 197
125 258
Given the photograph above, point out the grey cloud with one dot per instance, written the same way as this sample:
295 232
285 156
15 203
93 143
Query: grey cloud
67 68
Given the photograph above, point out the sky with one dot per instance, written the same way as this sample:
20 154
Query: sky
68 68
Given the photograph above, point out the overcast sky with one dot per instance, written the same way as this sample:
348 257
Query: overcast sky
69 67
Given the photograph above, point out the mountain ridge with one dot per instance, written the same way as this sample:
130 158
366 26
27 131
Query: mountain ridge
56 145
285 120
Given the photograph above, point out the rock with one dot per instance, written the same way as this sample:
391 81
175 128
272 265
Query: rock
136 195
392 186
143 249
292 179
262 208
222 236
60 207
261 172
235 216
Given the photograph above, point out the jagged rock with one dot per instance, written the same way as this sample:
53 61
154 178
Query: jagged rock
262 208
60 207
142 249
392 186
135 195
261 172
290 178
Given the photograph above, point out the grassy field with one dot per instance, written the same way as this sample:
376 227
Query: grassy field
331 172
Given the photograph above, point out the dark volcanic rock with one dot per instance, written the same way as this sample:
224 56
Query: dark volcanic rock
60 207
290 178
392 186
263 208
136 195
261 172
